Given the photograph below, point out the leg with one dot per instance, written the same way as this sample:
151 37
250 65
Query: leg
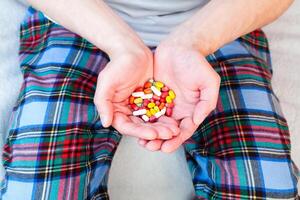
57 147
242 150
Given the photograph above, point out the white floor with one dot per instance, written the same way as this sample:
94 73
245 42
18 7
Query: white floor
137 174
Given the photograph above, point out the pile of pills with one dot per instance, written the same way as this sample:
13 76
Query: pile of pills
152 101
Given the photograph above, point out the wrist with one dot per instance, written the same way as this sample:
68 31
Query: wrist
190 38
120 44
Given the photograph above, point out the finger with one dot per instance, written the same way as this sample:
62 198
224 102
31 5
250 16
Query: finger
163 131
103 98
187 128
171 124
126 126
154 145
142 142
208 102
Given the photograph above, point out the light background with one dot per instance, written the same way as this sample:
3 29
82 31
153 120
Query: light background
137 174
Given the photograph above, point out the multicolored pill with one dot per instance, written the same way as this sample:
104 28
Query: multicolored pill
152 101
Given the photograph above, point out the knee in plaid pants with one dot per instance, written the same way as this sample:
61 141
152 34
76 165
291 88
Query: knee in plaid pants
58 149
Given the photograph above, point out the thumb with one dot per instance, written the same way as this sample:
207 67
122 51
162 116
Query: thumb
103 99
202 110
207 103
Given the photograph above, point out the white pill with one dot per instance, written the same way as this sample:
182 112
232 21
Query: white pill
139 112
147 96
163 111
155 91
158 114
138 94
151 80
145 118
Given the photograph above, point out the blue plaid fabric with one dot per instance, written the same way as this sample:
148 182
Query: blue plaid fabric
58 149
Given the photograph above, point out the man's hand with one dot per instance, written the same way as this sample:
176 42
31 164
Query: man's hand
122 75
196 85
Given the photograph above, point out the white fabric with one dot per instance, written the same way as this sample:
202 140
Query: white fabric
137 174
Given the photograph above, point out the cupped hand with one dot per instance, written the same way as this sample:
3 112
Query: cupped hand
196 85
126 71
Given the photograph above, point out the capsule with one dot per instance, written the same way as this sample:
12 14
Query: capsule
131 99
152 111
148 113
151 105
148 91
158 84
170 105
156 98
161 106
156 108
165 89
148 84
155 90
138 100
139 89
134 107
147 96
169 112
168 99
152 119
172 94
164 94
139 112
145 118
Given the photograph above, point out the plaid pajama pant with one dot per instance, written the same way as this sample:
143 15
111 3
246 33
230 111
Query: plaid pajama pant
57 148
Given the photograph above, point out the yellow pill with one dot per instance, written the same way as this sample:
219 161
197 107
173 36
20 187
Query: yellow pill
138 100
148 113
151 105
152 111
168 99
172 94
159 84
156 108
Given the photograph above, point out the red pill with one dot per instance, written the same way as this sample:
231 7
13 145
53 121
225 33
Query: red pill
162 100
146 101
152 119
169 112
170 105
134 107
139 89
165 89
156 98
164 94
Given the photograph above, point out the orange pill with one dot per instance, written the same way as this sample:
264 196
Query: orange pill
147 84
161 106
131 99
147 91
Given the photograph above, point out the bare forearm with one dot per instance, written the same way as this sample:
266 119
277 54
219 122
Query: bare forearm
91 19
220 22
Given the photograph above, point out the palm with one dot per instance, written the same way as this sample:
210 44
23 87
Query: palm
117 81
196 86
185 73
